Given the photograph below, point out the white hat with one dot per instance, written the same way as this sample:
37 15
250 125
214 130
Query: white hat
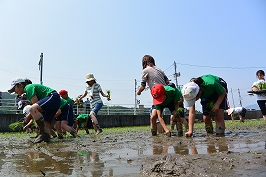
26 110
21 103
190 92
230 111
90 77
14 83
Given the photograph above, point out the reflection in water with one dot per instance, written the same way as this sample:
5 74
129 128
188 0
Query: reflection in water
211 146
91 161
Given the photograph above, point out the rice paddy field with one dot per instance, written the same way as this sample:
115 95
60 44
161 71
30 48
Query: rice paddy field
132 151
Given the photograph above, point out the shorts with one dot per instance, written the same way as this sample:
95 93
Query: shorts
96 108
206 102
66 115
243 112
50 106
170 106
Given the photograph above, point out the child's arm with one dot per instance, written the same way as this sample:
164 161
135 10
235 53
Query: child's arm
141 88
28 124
191 119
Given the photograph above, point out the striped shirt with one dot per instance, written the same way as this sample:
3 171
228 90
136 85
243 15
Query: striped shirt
95 95
153 75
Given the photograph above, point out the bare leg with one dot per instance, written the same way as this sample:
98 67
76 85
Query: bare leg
219 119
208 124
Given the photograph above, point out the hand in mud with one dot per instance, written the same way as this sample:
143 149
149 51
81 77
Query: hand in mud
188 134
25 127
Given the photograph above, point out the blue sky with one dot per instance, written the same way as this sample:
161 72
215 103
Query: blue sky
109 38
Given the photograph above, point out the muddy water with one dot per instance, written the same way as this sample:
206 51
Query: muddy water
137 153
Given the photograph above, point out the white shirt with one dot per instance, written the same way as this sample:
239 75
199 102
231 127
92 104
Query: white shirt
259 96
237 110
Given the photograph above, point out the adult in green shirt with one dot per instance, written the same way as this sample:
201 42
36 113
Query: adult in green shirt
45 103
212 90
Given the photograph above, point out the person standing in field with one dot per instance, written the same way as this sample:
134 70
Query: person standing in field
260 85
45 103
93 90
212 90
151 75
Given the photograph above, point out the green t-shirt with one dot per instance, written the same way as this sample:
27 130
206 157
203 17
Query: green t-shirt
211 84
70 101
39 90
63 102
82 118
172 94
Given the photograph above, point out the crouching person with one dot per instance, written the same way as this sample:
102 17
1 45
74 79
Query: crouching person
65 119
45 100
165 97
238 111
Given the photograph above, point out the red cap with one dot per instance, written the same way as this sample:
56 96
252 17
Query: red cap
158 94
62 92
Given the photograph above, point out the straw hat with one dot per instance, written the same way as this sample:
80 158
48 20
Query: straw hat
230 111
90 77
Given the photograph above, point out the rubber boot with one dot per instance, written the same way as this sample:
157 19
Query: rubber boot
220 131
44 136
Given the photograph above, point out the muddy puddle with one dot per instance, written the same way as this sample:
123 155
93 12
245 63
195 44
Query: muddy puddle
136 153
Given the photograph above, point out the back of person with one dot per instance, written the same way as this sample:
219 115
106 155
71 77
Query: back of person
153 75
39 90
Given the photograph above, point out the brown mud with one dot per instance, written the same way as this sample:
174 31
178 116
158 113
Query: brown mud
137 153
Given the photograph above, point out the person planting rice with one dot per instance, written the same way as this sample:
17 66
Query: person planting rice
212 90
83 120
64 119
64 94
45 103
237 111
165 97
151 75
181 120
93 89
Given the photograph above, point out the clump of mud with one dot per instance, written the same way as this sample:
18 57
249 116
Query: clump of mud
219 164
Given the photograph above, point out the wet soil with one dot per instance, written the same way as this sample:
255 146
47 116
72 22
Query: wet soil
242 152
